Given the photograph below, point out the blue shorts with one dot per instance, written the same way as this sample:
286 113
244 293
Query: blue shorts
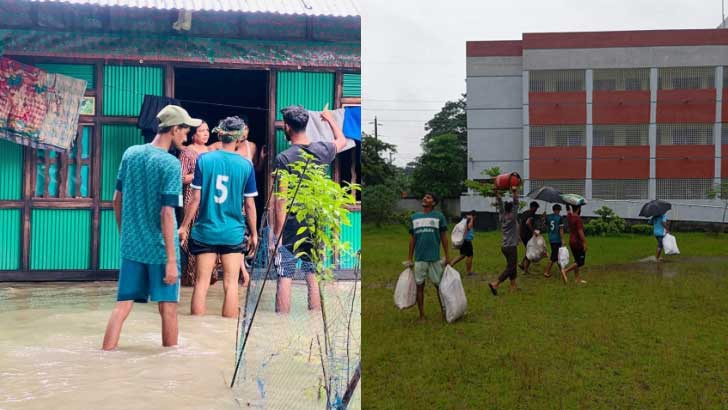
142 282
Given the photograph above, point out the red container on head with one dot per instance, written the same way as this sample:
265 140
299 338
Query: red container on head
506 181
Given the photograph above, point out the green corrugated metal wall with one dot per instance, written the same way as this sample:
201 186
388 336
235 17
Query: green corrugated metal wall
80 71
115 139
11 171
125 87
351 234
10 234
312 90
60 239
109 257
351 85
281 143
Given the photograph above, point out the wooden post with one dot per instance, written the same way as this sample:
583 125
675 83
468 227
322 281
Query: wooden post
28 178
95 180
272 109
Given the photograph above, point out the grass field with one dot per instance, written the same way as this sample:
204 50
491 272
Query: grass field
637 336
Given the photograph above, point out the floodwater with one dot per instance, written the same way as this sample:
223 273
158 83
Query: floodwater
50 356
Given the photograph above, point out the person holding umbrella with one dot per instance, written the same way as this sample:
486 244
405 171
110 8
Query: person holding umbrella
657 212
554 222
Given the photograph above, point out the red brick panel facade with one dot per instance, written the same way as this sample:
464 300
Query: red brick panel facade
625 162
685 106
557 163
621 107
563 108
685 161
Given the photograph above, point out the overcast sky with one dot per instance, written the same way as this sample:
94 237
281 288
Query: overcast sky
413 51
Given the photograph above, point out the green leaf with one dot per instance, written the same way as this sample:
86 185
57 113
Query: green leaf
299 243
301 230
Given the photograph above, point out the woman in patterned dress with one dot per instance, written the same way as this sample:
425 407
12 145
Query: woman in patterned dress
198 138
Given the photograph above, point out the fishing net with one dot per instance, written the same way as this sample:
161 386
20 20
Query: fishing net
304 359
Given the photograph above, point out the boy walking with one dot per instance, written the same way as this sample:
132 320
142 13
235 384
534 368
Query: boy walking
428 231
660 229
509 225
577 242
527 227
466 249
556 236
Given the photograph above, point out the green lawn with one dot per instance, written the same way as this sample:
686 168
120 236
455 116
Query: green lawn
635 337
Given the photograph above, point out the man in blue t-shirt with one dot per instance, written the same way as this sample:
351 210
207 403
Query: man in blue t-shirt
660 229
555 226
224 189
148 188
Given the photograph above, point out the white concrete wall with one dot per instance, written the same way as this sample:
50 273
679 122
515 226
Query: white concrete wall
697 211
624 57
495 114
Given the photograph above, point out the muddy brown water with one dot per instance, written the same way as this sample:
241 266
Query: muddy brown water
50 356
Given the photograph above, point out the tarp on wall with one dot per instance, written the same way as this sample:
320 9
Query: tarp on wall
37 108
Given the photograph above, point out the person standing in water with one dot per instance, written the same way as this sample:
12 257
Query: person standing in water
295 119
224 185
148 188
660 229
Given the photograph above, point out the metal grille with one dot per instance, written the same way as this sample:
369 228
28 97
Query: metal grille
557 136
620 188
681 78
556 81
684 188
724 133
619 135
566 186
684 134
622 79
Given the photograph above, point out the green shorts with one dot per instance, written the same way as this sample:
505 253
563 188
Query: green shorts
433 270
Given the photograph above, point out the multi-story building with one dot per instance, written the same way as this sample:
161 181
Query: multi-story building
618 117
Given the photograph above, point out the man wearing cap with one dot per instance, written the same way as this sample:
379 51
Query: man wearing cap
222 179
295 119
148 188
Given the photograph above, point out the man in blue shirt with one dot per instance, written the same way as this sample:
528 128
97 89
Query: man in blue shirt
148 188
659 227
222 179
556 236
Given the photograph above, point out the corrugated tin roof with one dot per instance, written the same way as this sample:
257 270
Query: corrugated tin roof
335 8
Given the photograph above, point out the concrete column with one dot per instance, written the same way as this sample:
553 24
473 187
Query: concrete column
652 184
589 133
526 137
718 128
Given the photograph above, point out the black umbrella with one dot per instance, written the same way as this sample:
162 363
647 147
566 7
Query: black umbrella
655 208
547 194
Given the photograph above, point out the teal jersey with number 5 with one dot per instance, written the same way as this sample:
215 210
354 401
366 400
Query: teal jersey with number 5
224 179
555 224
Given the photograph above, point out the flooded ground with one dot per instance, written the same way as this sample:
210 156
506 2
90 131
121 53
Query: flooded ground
50 354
